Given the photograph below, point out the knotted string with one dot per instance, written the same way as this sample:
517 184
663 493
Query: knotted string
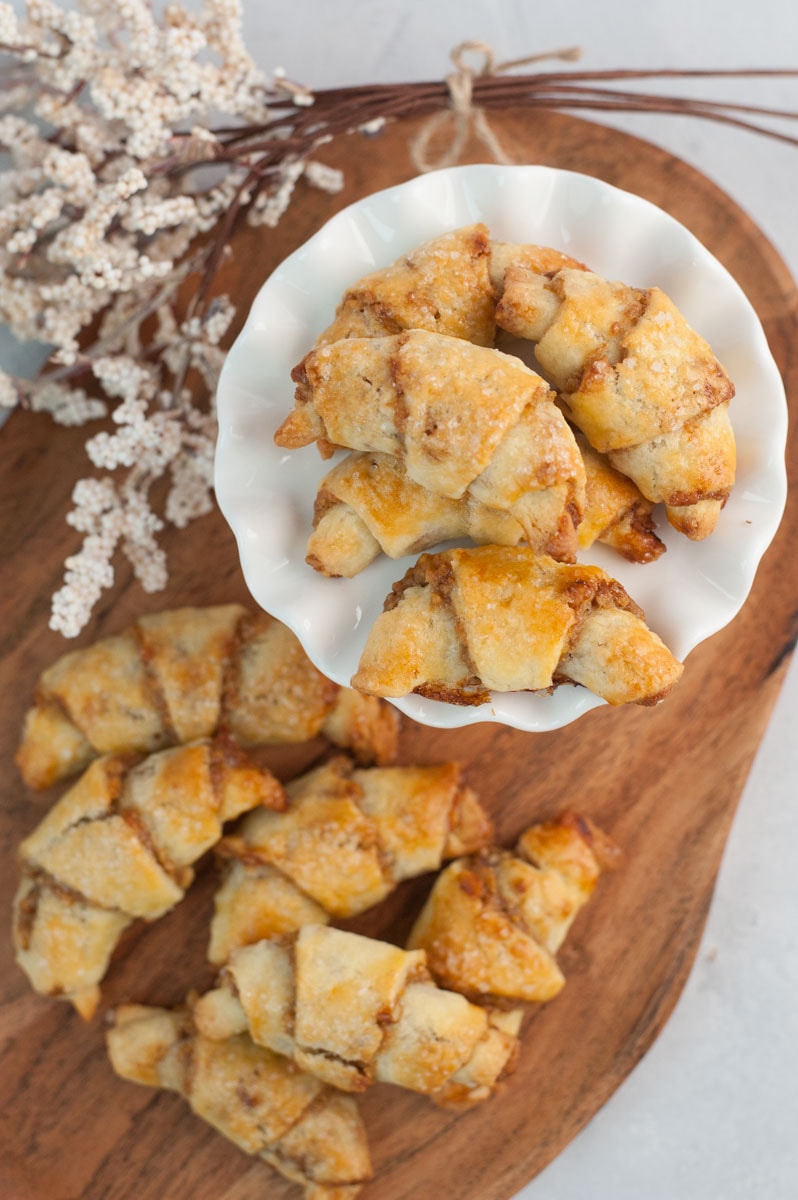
463 116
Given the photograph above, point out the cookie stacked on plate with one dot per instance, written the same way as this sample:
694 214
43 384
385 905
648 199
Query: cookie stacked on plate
453 437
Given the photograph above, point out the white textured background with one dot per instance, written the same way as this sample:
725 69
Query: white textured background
710 1113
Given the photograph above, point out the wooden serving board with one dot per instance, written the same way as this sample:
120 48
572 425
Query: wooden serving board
665 782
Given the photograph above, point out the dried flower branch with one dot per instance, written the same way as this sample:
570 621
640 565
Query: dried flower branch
111 120
104 214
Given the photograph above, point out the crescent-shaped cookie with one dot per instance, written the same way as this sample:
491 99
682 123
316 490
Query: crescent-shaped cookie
466 622
642 385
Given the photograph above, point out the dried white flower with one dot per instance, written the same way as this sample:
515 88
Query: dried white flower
270 205
8 391
328 179
98 514
67 405
373 126
120 128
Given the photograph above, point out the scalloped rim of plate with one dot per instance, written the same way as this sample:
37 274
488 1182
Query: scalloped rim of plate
267 494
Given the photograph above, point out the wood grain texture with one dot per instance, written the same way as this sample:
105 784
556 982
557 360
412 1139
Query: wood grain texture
665 782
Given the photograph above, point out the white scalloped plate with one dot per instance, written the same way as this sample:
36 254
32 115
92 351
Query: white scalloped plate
267 494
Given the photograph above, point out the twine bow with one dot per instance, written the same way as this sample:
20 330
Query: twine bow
462 116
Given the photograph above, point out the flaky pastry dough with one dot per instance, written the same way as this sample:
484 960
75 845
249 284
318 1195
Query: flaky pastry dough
449 285
356 1011
616 512
310 1133
367 505
443 286
642 386
119 845
494 922
541 259
461 419
184 674
347 838
465 622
